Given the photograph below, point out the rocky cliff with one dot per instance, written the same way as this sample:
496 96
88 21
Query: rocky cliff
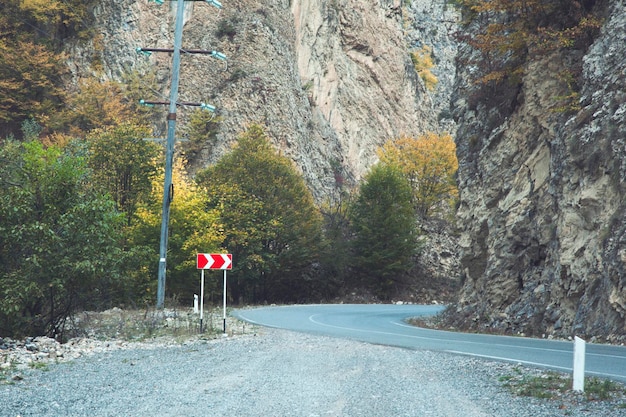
330 79
543 197
543 192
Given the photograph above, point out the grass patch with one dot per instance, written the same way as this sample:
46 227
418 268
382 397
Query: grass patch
543 386
551 385
42 366
602 389
4 373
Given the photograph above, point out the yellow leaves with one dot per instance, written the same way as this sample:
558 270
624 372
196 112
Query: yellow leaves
423 63
493 76
200 228
41 10
429 162
97 105
56 139
509 32
28 73
55 13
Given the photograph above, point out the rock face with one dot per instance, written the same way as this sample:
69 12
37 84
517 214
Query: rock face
331 80
543 200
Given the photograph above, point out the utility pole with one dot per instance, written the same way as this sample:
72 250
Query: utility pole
171 129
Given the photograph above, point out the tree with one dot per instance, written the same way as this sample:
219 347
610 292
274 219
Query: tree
55 19
423 63
507 32
59 240
32 64
429 163
123 164
336 255
30 76
384 226
201 130
102 104
271 224
194 228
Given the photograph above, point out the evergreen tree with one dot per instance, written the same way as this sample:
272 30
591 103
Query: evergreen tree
384 225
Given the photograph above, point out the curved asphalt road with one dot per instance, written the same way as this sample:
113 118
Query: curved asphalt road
385 324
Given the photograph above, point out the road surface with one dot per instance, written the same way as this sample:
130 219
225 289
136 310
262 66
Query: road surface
385 324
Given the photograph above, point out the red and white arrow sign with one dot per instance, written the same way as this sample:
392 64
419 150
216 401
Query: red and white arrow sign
215 261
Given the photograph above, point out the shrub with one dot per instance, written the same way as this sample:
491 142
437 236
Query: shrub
423 63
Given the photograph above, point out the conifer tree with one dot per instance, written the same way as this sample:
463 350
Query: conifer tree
384 226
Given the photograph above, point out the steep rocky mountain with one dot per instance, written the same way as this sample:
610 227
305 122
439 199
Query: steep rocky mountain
543 197
331 80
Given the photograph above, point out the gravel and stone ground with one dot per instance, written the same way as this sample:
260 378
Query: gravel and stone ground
269 372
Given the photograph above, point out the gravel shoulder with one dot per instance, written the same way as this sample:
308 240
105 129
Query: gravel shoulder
269 372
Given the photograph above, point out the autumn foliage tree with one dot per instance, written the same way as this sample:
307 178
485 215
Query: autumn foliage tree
423 62
194 228
31 62
30 78
429 163
506 33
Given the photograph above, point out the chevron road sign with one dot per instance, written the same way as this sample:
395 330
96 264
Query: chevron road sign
215 261
221 261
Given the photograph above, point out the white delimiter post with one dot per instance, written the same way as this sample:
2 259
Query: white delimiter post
201 298
224 301
579 365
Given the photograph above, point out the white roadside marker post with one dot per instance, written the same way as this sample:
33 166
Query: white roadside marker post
224 301
201 298
195 304
579 365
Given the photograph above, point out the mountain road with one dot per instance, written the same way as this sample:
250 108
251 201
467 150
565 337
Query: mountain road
385 324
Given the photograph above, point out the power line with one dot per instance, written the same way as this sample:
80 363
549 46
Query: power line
171 128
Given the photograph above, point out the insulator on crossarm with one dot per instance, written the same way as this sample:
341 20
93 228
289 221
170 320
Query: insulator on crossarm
218 55
215 3
140 50
208 107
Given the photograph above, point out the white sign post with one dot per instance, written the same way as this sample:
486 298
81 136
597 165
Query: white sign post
224 301
579 365
201 298
213 261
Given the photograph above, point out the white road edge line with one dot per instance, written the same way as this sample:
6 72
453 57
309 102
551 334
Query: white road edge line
539 364
485 343
566 343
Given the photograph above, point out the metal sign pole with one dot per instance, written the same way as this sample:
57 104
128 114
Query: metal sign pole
224 301
201 299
